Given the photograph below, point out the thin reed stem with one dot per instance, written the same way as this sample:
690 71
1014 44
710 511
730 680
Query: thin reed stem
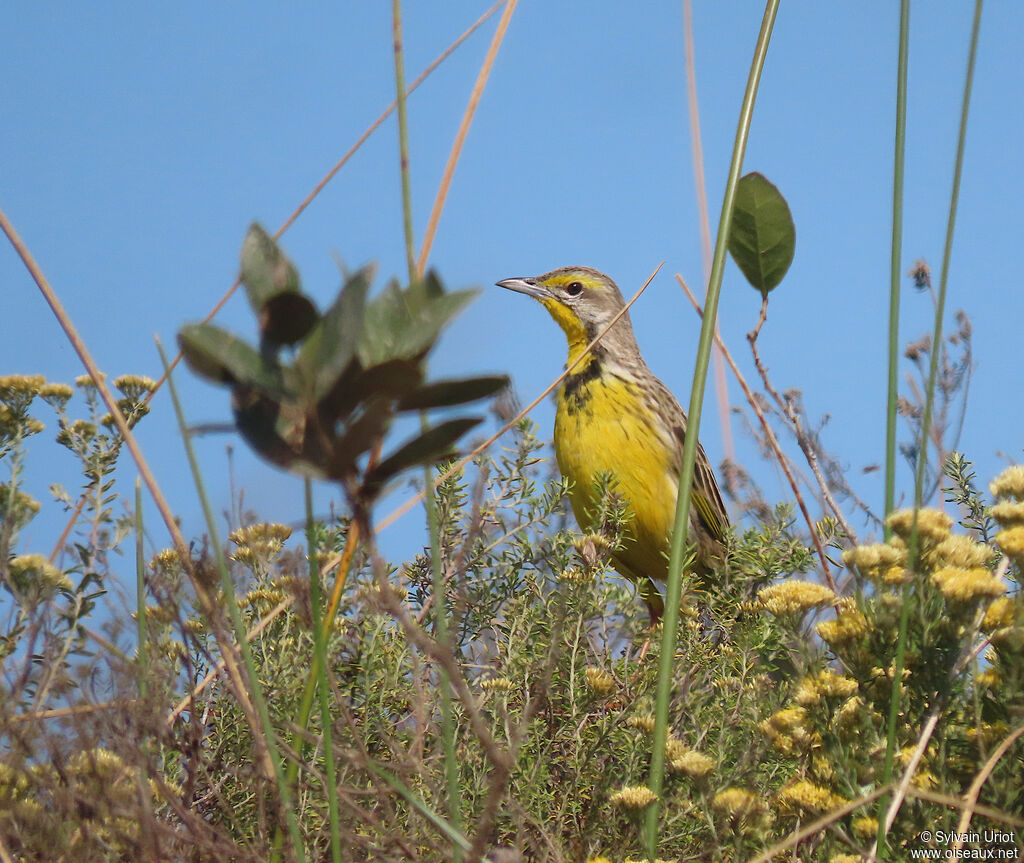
899 153
682 516
320 654
142 654
926 418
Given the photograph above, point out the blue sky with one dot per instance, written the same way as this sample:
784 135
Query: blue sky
138 144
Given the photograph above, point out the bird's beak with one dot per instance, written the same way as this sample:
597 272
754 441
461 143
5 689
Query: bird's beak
525 286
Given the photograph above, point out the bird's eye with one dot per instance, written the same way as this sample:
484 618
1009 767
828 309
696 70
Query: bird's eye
574 289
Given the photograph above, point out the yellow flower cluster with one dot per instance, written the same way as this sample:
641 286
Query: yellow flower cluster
167 560
789 732
691 763
600 681
737 803
881 562
642 721
805 797
1010 483
967 585
576 576
1011 541
33 574
865 828
960 551
933 526
496 684
825 684
849 626
17 391
633 797
793 598
258 544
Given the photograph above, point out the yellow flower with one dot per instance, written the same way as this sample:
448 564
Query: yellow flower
33 574
85 382
1011 541
850 625
736 803
787 729
17 391
601 682
845 858
803 796
599 859
990 678
167 559
692 763
967 585
57 395
825 684
794 597
875 561
496 684
960 550
135 387
96 762
575 576
1010 483
932 525
865 828
1002 612
1008 513
643 721
633 797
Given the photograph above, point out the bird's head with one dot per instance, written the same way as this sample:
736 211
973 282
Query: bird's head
582 301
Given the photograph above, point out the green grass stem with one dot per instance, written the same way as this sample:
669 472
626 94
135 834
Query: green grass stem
926 419
320 653
682 516
142 653
899 155
451 763
228 588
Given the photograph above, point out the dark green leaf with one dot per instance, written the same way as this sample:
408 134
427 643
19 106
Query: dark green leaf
277 431
390 380
266 272
217 355
332 345
446 393
762 238
287 318
405 324
360 436
428 447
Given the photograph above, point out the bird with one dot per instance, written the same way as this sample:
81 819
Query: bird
614 416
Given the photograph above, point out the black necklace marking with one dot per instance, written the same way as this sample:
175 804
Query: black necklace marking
575 390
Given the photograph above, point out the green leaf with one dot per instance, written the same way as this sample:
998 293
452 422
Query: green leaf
390 380
446 393
428 447
220 356
287 318
266 271
762 238
275 430
405 324
360 436
332 345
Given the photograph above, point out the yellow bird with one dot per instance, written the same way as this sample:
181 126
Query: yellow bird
613 415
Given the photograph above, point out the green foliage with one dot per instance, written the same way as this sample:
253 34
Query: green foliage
776 718
353 369
762 237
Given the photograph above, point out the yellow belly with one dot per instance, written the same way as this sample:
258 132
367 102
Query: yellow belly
607 429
